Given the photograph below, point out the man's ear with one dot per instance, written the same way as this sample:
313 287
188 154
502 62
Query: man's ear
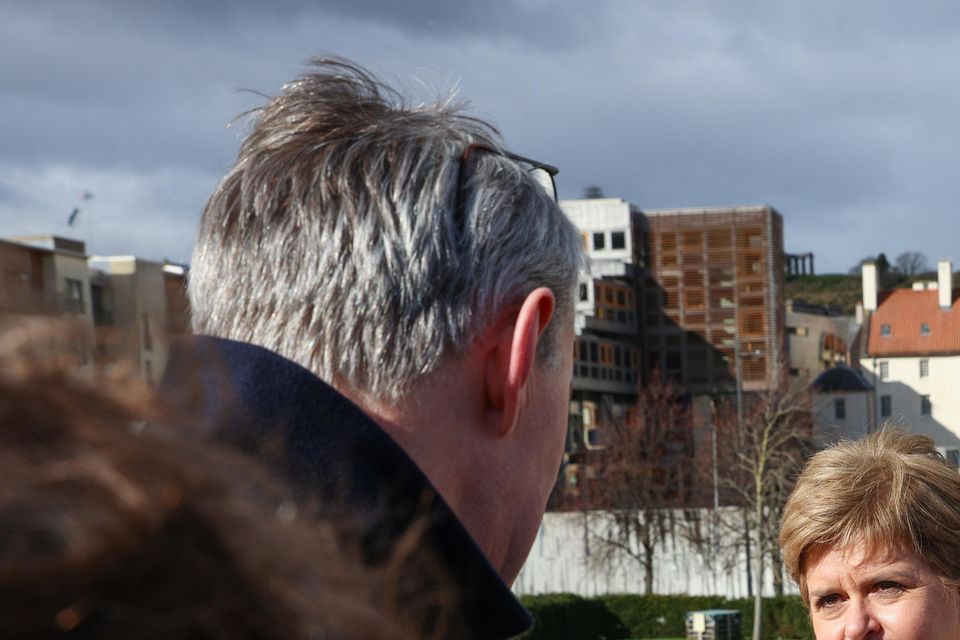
507 381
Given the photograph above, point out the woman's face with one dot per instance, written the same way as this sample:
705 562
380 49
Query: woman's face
896 596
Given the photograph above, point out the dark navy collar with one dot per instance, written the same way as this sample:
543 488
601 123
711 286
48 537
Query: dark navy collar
324 444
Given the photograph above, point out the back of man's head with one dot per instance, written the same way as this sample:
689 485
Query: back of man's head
335 239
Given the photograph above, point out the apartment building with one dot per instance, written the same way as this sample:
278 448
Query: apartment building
713 296
911 355
43 277
138 306
128 307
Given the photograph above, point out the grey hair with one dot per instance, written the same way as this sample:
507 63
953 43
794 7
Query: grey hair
333 240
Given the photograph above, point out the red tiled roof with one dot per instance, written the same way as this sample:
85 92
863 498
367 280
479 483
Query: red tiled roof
905 310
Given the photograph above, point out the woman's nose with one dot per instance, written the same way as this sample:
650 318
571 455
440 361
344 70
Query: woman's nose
859 620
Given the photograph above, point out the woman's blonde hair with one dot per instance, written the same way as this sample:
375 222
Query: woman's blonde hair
891 491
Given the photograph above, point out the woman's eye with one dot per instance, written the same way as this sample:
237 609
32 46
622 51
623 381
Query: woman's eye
825 602
889 587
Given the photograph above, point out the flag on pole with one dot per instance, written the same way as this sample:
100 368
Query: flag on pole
83 196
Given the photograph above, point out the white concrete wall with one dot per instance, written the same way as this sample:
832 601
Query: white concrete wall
905 386
568 556
602 215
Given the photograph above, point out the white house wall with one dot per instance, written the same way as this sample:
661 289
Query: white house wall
858 421
905 387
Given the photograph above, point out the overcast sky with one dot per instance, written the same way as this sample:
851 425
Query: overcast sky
842 115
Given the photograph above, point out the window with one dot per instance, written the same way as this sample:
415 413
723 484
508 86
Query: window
593 437
147 337
925 406
924 329
953 457
102 304
618 240
586 414
840 409
583 292
606 354
74 295
598 242
884 370
924 368
752 323
674 360
886 407
885 330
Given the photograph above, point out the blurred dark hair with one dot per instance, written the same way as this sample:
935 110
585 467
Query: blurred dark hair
110 528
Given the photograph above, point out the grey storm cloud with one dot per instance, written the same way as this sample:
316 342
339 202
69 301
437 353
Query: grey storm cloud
842 115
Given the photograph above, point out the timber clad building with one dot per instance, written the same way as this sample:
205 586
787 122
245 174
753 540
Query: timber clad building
693 293
714 294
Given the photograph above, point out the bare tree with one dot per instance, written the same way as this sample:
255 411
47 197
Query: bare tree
763 454
856 269
643 471
912 263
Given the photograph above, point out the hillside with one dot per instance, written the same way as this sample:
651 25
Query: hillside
844 291
830 290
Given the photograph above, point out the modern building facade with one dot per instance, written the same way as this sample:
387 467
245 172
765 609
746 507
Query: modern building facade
713 296
695 294
608 348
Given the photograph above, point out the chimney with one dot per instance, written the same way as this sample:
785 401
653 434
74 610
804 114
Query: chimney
945 283
870 285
